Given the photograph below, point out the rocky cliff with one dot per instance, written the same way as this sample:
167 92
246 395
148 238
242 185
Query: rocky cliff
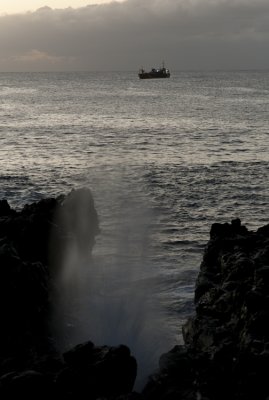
226 349
31 245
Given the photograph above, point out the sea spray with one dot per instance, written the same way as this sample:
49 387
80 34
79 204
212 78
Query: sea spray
110 297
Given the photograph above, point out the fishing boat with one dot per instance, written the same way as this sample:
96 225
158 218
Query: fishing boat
161 72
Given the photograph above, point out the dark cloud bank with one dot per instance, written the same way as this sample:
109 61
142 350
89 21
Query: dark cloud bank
188 34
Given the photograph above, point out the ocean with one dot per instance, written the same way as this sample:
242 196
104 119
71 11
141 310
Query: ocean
164 159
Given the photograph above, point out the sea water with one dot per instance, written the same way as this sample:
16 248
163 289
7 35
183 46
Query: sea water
164 159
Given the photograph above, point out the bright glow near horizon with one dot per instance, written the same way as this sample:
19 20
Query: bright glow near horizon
18 6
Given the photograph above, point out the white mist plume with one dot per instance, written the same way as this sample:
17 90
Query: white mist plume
109 297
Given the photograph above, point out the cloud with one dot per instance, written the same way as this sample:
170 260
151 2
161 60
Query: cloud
124 35
35 60
37 56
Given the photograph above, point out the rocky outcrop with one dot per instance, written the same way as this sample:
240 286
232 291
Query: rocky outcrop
100 371
226 343
31 244
226 351
42 229
85 371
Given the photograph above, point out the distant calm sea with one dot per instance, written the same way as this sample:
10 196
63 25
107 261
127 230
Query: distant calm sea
164 159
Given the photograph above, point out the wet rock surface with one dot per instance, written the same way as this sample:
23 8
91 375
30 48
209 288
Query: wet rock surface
226 343
226 351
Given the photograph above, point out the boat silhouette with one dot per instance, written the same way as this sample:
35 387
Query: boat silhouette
161 72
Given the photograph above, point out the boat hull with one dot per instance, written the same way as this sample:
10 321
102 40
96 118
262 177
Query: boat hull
155 73
148 75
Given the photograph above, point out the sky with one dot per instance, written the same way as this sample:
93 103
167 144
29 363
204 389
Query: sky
21 6
125 35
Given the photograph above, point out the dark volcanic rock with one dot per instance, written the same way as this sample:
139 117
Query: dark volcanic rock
32 242
41 230
27 384
85 371
24 289
31 245
226 352
5 208
100 371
